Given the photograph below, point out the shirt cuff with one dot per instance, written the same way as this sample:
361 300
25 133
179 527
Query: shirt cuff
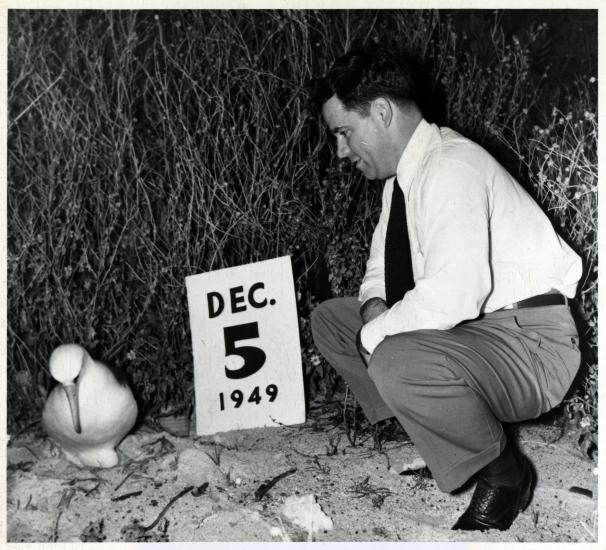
375 291
372 335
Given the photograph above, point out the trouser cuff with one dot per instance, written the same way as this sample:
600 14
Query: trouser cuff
458 474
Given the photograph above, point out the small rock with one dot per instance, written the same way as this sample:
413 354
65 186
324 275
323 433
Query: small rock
236 468
195 467
19 455
305 512
135 446
280 533
168 462
415 464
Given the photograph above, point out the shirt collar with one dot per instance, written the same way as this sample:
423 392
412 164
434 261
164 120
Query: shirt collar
413 154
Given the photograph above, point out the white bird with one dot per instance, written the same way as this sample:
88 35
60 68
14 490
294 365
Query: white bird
91 409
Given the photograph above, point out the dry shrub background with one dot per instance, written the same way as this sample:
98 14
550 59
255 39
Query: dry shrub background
147 146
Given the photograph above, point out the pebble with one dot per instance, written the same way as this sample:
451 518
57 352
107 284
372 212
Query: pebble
195 467
305 512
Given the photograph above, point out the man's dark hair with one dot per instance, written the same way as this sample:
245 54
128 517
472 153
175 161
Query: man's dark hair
366 73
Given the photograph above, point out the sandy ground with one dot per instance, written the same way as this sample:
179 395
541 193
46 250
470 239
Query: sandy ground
219 488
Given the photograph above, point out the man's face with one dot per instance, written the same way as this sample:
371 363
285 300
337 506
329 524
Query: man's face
359 138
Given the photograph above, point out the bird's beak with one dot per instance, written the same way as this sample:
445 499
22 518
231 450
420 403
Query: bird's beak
71 391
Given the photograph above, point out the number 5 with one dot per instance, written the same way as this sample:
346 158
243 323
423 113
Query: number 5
254 358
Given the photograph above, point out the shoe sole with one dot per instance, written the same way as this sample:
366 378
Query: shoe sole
526 497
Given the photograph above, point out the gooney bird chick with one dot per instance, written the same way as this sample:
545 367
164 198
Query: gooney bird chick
91 409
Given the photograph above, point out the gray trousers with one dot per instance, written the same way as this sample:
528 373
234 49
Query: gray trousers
451 389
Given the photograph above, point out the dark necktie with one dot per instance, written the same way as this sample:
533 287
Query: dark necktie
398 262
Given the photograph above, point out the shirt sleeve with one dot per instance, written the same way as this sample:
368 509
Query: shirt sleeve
453 227
373 283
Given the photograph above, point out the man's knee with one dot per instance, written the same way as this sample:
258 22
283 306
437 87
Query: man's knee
320 315
327 314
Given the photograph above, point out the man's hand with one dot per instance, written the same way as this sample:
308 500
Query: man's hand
361 349
372 308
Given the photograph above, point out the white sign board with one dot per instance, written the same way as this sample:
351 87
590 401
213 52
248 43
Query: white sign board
245 339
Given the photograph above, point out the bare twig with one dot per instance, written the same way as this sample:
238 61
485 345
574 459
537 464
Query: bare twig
333 445
124 480
265 487
66 498
165 509
14 121
126 495
365 488
319 467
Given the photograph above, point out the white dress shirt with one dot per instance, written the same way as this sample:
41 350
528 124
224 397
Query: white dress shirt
478 241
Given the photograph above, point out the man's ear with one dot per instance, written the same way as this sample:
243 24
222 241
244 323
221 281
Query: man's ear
382 109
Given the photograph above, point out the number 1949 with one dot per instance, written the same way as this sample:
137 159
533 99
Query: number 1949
255 397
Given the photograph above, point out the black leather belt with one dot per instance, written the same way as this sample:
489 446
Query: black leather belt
554 299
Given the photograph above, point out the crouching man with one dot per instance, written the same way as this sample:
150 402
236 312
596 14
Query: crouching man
462 320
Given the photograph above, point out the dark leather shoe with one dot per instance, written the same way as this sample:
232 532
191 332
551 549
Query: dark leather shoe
495 507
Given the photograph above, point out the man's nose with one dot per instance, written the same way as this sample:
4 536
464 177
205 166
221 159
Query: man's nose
342 147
